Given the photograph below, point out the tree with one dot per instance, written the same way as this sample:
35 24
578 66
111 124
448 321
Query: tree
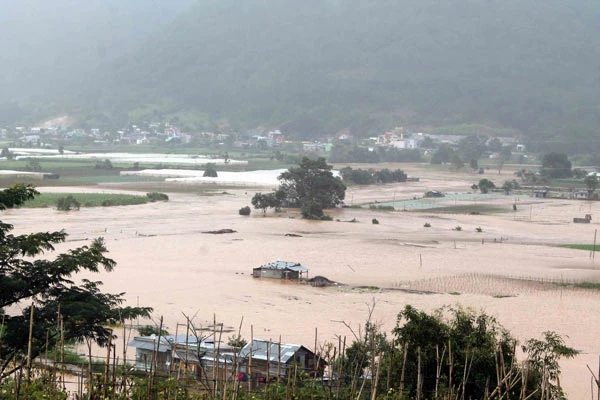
543 356
6 153
471 147
265 201
313 185
485 185
104 164
507 187
556 165
210 170
468 339
591 181
33 165
67 203
442 155
27 277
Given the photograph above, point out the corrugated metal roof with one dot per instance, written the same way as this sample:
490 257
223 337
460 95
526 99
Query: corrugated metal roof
276 351
149 342
291 265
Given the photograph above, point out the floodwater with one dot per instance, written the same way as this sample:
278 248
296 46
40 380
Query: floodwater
164 260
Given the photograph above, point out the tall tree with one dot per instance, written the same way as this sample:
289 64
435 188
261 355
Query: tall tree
45 283
312 183
591 181
556 165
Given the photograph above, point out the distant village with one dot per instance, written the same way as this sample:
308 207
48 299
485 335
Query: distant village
167 134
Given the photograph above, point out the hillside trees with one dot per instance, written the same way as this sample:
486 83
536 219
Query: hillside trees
28 280
556 165
312 187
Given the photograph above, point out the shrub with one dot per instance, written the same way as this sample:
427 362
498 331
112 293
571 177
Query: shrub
427 225
67 203
458 228
148 330
479 229
210 170
375 221
157 196
312 210
245 210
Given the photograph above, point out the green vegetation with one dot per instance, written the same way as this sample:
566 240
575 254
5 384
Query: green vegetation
427 225
210 170
381 207
87 199
244 210
485 185
371 176
149 330
67 203
587 247
556 165
28 273
318 93
157 196
312 187
375 221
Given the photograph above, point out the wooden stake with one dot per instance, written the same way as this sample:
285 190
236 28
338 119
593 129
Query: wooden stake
30 344
250 358
594 248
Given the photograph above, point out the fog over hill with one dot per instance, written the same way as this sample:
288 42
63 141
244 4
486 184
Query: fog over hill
318 66
48 47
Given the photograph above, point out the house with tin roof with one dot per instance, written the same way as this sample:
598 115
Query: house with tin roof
281 270
262 361
202 357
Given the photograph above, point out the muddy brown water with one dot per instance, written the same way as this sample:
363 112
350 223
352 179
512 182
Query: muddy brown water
164 260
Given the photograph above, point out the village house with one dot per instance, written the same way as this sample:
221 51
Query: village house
202 357
540 193
262 361
281 270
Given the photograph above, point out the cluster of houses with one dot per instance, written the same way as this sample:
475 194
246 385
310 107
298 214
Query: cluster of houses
165 133
204 358
257 362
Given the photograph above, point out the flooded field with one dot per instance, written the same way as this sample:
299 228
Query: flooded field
166 261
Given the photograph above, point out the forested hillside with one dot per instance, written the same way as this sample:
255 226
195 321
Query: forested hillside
315 66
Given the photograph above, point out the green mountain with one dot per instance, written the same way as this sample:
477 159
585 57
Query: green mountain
318 66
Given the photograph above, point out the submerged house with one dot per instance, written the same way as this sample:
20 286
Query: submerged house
281 270
264 360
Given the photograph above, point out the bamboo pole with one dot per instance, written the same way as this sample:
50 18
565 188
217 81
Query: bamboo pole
124 372
374 391
316 368
107 365
404 355
279 359
250 359
30 344
419 375
219 357
268 363
214 363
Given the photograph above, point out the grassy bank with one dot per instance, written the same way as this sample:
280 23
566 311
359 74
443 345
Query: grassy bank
88 199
